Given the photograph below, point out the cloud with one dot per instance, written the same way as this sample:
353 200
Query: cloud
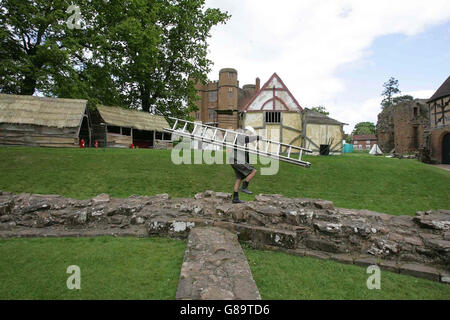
306 41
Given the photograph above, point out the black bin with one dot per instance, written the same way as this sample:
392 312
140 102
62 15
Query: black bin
324 149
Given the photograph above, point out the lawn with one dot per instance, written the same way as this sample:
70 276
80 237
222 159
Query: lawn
128 268
131 268
282 276
358 180
111 268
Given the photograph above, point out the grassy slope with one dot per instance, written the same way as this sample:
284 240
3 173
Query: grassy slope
125 268
282 276
357 181
149 268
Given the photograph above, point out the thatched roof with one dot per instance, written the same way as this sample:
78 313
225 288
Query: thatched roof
319 118
121 117
50 112
443 91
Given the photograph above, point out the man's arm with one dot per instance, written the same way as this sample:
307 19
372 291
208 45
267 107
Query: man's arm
252 138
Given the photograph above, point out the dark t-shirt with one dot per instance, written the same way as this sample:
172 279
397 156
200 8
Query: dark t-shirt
239 156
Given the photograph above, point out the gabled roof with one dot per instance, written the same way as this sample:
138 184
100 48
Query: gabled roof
273 96
140 120
443 91
42 111
359 137
315 117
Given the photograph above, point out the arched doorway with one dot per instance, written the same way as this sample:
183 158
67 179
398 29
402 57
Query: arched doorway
446 149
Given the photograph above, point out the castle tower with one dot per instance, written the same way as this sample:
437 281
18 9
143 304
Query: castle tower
227 104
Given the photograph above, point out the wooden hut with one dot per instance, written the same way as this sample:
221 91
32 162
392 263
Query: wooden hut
40 121
119 127
321 132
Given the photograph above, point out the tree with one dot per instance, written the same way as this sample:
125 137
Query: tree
320 109
390 89
130 53
364 128
31 33
399 99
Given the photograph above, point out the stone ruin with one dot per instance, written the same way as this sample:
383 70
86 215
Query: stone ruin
401 127
415 245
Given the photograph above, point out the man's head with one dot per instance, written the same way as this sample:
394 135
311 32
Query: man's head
250 131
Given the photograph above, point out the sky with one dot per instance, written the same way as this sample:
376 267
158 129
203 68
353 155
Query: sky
336 53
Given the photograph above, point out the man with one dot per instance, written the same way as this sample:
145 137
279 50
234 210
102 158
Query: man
240 163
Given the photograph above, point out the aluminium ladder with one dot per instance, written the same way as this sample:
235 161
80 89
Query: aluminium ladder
228 138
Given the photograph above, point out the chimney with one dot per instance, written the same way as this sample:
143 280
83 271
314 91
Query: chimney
258 84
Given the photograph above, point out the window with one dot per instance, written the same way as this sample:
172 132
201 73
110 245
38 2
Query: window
416 111
230 93
113 129
273 117
158 135
212 114
126 131
212 96
415 137
368 142
197 115
230 75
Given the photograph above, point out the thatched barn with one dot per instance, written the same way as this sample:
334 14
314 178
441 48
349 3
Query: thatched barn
39 121
119 127
321 132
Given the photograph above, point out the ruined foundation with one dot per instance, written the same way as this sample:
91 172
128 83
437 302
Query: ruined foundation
415 245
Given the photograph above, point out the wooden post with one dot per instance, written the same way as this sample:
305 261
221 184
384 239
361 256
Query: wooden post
154 138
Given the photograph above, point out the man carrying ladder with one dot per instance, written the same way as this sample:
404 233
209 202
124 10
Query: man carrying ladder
240 162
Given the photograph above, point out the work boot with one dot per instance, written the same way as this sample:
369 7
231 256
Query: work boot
236 198
245 188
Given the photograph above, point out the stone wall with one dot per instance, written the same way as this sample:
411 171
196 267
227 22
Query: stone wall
402 127
417 245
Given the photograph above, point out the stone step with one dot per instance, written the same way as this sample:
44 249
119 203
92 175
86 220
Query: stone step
215 268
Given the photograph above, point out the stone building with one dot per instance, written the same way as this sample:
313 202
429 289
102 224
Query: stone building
221 101
437 136
401 127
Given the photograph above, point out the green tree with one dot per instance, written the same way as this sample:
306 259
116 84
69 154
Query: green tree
399 99
390 89
131 53
320 109
364 128
31 33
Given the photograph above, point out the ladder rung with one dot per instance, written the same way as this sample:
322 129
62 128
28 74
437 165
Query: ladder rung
201 135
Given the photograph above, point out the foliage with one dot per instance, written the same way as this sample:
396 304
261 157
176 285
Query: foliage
320 109
364 128
400 99
131 53
390 89
381 184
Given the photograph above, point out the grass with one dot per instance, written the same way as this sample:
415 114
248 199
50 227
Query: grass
358 180
282 276
111 268
128 268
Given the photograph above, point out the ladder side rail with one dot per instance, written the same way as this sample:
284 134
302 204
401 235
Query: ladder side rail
241 148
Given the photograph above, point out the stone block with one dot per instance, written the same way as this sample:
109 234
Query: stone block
420 270
343 258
